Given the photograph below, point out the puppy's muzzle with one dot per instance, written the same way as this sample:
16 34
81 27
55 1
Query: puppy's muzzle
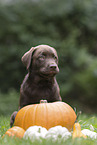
53 68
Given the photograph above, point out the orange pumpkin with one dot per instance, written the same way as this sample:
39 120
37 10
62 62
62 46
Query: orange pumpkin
15 131
46 115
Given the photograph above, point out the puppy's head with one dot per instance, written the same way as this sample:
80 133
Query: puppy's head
42 59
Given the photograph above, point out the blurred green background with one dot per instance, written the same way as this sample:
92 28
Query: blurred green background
68 25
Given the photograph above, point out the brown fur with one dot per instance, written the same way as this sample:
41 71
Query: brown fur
40 82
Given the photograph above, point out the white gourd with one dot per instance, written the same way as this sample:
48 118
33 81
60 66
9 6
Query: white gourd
57 134
35 133
89 133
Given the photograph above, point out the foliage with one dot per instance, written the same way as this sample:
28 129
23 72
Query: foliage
9 102
68 25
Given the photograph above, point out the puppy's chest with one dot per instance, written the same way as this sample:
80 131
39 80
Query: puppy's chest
42 91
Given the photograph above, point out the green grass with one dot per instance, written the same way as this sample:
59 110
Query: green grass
84 120
9 103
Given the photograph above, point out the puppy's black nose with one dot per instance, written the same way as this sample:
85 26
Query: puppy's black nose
53 66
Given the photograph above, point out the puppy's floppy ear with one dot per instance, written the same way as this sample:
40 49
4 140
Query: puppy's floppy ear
26 59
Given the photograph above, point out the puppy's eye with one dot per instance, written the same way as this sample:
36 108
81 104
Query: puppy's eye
41 57
55 57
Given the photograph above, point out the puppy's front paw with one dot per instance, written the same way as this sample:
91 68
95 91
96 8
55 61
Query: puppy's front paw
12 118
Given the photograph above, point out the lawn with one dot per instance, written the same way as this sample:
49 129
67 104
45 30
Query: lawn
8 105
84 120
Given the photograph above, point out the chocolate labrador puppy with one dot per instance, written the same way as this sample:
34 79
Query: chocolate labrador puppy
40 82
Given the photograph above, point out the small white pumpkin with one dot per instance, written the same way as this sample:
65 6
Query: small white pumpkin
89 133
57 133
35 133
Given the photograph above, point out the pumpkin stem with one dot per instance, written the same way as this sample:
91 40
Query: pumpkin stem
77 116
39 130
43 101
